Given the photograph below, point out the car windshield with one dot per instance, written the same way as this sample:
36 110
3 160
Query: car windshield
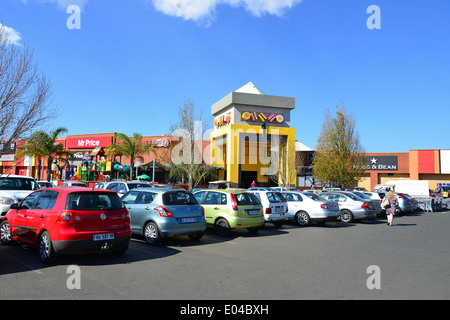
314 196
9 183
244 199
93 201
174 198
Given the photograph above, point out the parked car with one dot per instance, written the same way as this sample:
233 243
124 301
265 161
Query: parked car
231 209
260 188
373 195
61 221
13 189
375 202
158 213
74 183
405 202
280 189
306 207
122 187
45 184
352 207
274 205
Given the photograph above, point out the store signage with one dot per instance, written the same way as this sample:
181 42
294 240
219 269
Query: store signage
4 149
387 163
222 120
262 117
82 155
89 143
160 142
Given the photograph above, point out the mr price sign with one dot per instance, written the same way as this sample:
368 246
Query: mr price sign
89 143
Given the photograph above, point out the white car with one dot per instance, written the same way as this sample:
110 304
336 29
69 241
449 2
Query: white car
274 205
13 189
281 189
305 207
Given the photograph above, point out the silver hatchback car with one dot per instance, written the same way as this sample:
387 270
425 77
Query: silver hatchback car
157 213
352 207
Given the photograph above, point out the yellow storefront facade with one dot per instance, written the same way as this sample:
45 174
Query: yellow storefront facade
252 138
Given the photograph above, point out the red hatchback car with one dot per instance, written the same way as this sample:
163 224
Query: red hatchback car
61 221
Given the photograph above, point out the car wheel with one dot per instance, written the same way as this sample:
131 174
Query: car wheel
302 218
151 233
195 236
346 216
46 252
222 227
5 232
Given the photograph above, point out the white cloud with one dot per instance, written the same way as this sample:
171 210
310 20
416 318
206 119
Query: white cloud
12 36
204 10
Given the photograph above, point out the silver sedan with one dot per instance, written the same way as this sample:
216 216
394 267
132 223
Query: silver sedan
305 207
352 207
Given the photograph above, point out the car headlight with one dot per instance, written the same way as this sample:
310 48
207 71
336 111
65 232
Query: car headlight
6 200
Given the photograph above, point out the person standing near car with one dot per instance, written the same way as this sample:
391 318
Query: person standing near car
393 205
253 184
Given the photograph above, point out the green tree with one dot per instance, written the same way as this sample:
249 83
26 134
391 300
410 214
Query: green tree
43 145
131 147
339 156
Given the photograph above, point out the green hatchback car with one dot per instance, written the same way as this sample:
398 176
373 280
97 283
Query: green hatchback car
231 209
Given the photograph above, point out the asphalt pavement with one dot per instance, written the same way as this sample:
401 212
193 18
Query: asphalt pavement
362 260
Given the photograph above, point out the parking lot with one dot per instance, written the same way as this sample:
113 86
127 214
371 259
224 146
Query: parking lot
330 261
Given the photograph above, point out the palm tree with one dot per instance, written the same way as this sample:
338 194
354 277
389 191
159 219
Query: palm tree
131 147
41 144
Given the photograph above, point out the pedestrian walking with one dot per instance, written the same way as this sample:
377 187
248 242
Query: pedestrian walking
253 184
390 203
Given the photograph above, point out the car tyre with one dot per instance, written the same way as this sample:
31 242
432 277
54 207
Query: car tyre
195 236
47 253
222 227
5 232
346 216
302 218
151 234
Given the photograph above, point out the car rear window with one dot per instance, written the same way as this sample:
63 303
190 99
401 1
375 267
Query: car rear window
9 183
314 196
275 197
93 201
174 198
243 199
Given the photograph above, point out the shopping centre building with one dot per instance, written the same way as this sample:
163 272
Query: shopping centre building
253 139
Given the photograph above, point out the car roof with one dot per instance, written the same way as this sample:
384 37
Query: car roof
15 176
160 190
77 190
227 190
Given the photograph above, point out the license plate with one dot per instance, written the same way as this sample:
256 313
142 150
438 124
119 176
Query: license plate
188 220
105 236
279 209
253 212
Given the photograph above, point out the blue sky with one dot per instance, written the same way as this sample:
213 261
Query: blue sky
134 62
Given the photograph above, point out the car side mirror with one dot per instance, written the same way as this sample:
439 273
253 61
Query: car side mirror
14 206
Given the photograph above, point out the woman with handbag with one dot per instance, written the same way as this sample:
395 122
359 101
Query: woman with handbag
390 203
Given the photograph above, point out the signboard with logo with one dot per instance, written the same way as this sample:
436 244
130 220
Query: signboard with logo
387 163
89 142
7 149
